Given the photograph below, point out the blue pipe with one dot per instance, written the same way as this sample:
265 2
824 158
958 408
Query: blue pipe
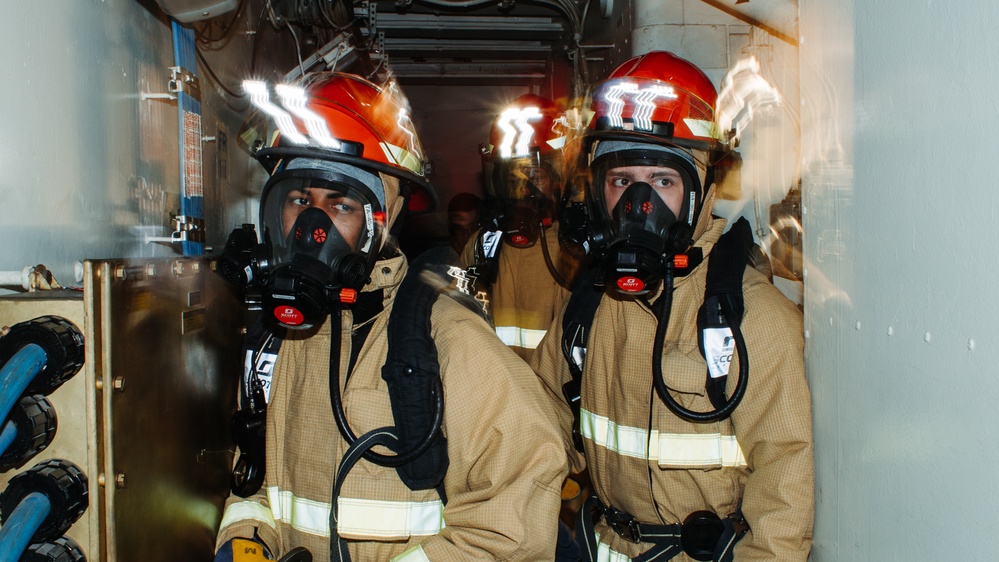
23 523
17 373
7 436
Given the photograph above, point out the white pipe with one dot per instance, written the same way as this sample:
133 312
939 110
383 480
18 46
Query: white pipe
16 278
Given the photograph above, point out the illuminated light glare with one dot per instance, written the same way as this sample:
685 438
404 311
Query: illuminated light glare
528 114
515 124
509 132
744 91
615 101
262 99
645 104
406 124
293 98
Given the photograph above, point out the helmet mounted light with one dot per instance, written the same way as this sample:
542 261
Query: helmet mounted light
523 169
345 118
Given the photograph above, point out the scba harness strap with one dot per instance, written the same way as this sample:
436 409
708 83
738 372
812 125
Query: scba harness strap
721 311
259 351
412 374
703 536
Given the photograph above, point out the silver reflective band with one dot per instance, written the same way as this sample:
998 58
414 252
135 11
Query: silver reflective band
309 516
388 519
520 337
247 510
671 449
414 554
607 554
359 518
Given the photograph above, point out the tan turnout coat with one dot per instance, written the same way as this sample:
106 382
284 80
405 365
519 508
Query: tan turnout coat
525 297
507 461
654 465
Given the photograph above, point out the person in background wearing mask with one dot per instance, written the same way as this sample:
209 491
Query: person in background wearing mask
341 179
680 467
462 219
516 257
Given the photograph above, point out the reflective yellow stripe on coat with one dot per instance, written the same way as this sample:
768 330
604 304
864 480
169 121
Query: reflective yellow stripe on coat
414 554
673 449
247 510
520 337
608 554
359 518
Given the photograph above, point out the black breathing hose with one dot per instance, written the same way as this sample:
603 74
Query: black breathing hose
548 261
341 417
657 366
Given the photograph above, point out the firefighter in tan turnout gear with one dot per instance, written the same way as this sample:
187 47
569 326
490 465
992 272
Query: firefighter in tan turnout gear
345 167
516 258
697 450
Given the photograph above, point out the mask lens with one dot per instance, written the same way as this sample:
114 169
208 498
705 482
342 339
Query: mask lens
319 217
671 180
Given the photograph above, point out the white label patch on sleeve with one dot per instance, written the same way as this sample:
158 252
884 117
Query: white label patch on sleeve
718 348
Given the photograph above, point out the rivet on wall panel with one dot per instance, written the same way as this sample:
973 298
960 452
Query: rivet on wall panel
891 331
858 325
830 320
808 334
926 337
971 344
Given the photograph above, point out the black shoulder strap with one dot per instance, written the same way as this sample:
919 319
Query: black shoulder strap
724 281
412 369
726 266
576 322
260 348
486 257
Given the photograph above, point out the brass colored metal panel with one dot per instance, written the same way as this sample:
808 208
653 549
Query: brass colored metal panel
147 418
171 388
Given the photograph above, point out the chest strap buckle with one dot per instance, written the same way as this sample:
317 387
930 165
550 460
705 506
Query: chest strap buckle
623 524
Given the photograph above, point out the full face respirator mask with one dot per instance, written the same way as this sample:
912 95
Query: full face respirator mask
322 226
637 236
522 204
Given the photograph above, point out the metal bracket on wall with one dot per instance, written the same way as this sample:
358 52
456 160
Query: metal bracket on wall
181 80
186 229
332 54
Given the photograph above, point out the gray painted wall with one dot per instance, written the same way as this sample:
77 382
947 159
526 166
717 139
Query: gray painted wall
900 205
89 169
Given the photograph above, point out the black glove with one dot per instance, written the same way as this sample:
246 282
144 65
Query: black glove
567 549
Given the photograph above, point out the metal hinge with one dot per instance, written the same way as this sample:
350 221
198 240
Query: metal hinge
181 80
186 229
